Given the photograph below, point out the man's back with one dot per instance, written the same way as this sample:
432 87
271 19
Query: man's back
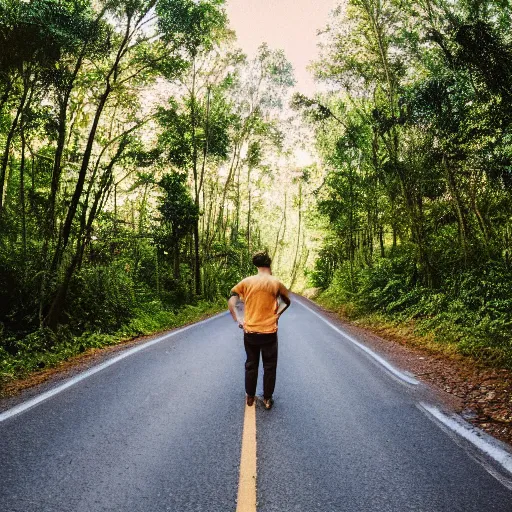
260 295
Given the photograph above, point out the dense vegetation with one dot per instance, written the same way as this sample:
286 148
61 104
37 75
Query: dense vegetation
143 159
139 151
416 135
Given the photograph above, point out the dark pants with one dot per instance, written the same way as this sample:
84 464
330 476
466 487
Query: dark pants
266 344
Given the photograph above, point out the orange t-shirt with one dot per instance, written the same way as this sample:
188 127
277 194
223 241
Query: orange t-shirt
259 294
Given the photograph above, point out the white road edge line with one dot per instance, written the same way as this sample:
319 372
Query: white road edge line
9 413
397 373
475 436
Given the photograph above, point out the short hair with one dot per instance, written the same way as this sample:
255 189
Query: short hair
262 259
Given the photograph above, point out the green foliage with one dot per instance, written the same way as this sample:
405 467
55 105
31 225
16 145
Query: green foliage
44 348
41 31
190 24
177 208
116 218
417 141
472 310
102 298
180 141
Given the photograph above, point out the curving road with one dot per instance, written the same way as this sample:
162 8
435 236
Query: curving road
161 430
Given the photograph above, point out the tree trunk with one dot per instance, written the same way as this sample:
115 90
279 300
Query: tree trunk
461 218
381 241
197 263
232 170
283 223
294 267
249 208
8 141
73 206
22 201
61 140
110 80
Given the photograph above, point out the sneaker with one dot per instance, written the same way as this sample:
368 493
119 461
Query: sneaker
250 400
268 403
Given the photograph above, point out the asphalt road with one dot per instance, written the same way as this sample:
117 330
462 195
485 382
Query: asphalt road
161 431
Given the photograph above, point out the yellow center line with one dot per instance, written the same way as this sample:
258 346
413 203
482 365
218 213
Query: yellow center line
246 501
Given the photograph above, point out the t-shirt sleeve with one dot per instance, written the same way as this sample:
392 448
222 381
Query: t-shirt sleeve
239 289
283 290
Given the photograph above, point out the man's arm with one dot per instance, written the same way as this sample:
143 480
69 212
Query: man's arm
232 302
283 293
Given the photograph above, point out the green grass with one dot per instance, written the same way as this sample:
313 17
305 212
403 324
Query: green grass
46 349
440 333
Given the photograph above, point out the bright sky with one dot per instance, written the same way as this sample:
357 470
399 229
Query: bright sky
290 25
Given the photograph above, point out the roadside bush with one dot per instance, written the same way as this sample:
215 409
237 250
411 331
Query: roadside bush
344 285
473 310
388 285
102 297
45 348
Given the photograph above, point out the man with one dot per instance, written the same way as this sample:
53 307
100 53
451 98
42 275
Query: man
261 294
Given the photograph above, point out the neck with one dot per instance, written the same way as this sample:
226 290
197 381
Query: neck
264 270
